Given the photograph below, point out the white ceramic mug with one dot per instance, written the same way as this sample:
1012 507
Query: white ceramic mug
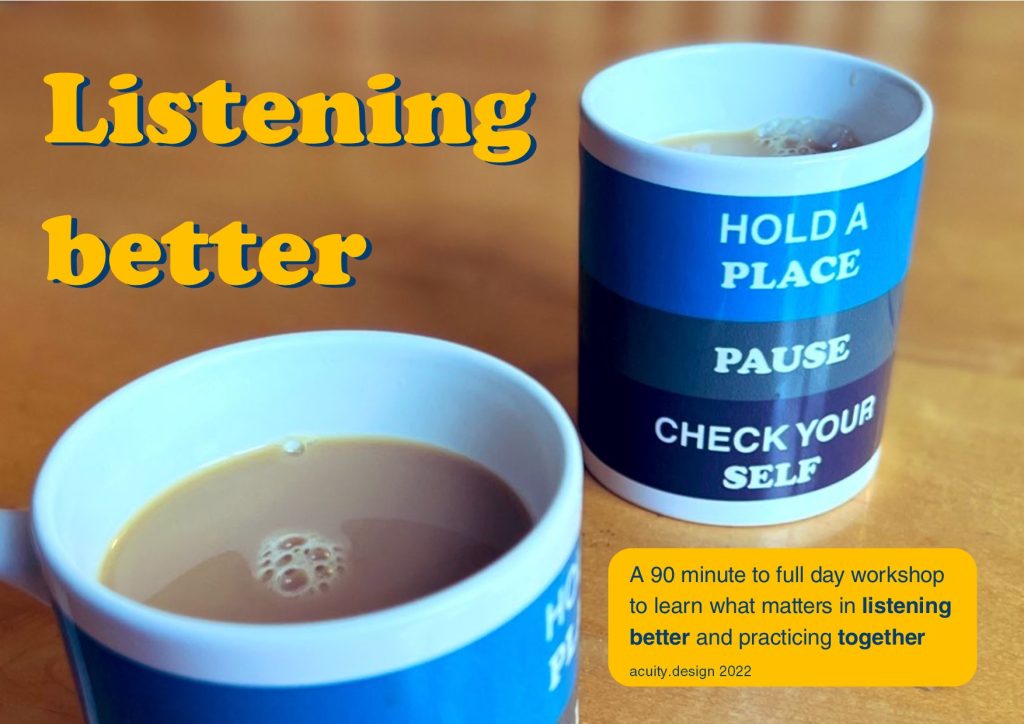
498 646
703 277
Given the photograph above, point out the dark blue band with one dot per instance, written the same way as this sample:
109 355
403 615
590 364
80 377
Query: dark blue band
619 422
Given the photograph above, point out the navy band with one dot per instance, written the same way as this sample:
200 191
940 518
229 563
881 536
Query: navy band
619 422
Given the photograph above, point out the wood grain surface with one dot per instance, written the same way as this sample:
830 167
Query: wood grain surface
486 256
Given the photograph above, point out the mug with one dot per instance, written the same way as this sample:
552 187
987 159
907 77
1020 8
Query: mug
738 315
499 646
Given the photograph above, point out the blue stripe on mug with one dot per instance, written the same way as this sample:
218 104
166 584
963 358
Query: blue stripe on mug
753 259
524 671
736 360
726 449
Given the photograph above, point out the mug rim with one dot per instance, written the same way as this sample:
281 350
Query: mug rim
770 176
921 122
117 607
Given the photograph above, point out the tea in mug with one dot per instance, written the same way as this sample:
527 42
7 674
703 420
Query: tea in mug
316 529
781 137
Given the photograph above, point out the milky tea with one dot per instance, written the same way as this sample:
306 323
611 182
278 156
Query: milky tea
782 137
315 529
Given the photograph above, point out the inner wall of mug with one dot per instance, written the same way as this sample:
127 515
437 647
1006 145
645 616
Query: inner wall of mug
147 437
738 87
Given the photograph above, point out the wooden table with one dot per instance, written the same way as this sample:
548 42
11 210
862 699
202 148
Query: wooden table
486 256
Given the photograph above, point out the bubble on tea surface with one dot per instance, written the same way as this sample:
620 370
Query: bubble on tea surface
291 446
803 136
294 564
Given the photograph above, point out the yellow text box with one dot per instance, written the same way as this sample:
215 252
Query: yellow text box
792 617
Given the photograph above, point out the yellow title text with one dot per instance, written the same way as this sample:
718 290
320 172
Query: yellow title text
492 124
242 257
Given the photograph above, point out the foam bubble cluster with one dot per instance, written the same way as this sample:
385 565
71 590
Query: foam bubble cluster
801 136
300 564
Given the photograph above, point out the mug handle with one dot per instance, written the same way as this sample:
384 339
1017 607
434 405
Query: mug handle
18 563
